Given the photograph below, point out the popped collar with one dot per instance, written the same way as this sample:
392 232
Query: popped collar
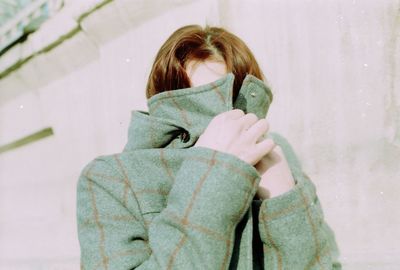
177 118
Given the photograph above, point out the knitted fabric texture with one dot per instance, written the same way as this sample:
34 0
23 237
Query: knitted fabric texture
163 204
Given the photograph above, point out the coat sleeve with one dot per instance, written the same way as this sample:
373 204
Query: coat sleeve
292 227
211 193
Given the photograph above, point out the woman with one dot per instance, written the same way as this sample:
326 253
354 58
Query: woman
201 183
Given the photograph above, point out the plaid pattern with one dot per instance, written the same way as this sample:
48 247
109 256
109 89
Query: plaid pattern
162 204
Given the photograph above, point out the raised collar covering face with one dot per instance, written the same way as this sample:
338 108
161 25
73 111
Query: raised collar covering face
177 118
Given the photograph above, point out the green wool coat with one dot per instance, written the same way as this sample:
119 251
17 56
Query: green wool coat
163 204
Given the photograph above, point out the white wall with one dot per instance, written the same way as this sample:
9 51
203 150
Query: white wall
334 70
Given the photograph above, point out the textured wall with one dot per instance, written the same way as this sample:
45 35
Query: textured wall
334 71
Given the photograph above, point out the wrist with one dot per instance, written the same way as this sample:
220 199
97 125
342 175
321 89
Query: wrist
275 187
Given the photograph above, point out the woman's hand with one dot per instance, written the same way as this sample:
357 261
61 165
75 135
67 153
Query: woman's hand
238 134
276 177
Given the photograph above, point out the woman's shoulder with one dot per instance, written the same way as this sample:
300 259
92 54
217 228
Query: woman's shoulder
102 178
114 164
99 165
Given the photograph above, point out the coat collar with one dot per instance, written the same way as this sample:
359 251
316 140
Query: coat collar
177 118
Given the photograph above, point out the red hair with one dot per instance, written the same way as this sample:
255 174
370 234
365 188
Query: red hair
192 42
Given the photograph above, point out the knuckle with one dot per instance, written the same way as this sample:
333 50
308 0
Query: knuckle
252 115
239 110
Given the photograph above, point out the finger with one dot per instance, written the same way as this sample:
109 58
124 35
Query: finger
258 131
265 146
247 121
234 114
262 137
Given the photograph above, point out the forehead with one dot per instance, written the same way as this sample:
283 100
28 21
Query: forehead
202 72
209 65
